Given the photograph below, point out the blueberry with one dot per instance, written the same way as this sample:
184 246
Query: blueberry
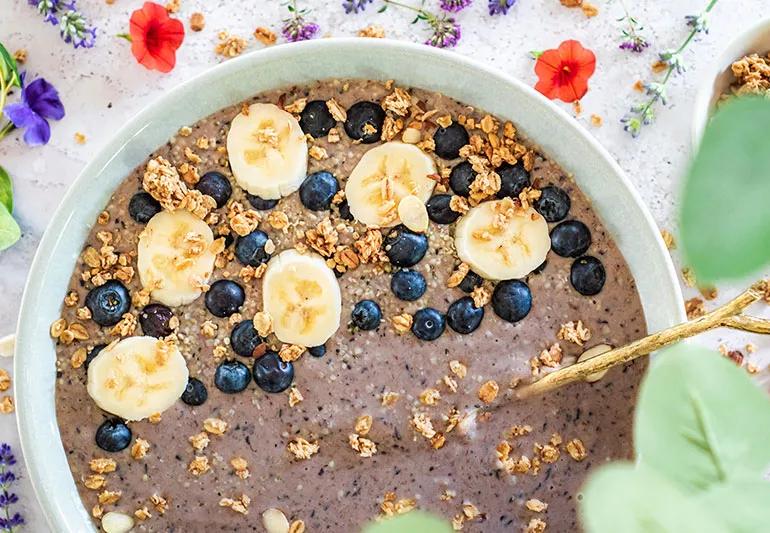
224 298
587 275
345 213
366 315
260 204
512 300
244 338
428 324
404 247
318 189
316 119
553 204
155 319
513 179
250 249
470 282
232 376
272 374
570 238
463 316
363 116
461 177
449 140
317 351
229 239
108 303
142 207
439 211
216 185
408 285
195 392
113 435
93 353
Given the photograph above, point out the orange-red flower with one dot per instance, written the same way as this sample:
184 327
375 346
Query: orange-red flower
155 37
563 72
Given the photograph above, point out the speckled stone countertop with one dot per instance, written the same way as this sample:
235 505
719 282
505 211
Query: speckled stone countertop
102 87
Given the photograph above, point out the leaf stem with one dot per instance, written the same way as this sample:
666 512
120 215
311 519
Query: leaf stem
726 315
3 93
8 128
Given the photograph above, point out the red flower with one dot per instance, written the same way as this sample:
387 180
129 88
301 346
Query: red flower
155 37
563 73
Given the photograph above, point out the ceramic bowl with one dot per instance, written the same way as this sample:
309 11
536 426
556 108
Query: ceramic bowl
719 77
554 130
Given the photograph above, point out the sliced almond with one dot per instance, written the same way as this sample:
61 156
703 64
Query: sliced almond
590 354
413 213
275 521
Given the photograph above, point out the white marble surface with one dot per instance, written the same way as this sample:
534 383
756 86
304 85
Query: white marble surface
102 87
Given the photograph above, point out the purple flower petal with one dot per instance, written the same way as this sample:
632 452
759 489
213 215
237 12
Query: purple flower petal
500 7
39 132
20 114
43 98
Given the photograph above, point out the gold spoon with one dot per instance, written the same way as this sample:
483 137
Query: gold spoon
729 315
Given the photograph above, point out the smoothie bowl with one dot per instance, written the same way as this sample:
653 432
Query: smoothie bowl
272 307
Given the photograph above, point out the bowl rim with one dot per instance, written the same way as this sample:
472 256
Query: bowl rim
705 93
41 443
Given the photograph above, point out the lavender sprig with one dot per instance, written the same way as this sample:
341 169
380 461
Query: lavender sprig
73 27
643 113
355 6
296 28
633 40
500 7
454 6
8 522
445 31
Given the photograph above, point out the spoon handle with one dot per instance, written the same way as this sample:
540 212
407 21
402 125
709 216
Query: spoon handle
727 315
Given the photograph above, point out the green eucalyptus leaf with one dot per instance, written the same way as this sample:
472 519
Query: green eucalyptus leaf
412 522
8 69
626 498
725 220
744 507
701 421
9 229
6 190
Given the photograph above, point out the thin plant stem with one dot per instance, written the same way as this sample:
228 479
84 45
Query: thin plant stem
4 90
631 26
641 113
4 490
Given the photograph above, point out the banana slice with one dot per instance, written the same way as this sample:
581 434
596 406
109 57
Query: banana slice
137 376
501 241
176 257
302 296
383 177
267 151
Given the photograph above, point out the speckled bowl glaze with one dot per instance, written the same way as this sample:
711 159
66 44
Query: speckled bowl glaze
454 75
719 77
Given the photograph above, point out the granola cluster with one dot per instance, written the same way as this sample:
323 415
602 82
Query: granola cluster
164 183
752 76
547 453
